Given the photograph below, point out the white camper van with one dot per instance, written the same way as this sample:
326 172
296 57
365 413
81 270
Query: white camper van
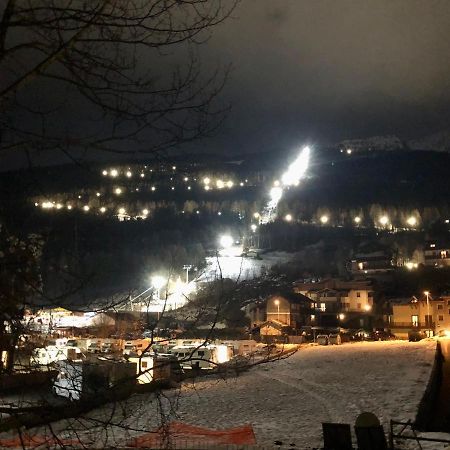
202 357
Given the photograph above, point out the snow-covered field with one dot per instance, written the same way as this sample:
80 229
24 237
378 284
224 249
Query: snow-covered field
286 400
237 267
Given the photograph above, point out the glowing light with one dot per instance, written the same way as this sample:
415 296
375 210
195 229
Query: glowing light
341 316
153 188
412 221
220 184
253 227
186 179
102 209
410 265
59 206
384 220
189 188
158 281
117 191
98 194
324 219
275 195
256 215
297 169
219 213
226 241
349 151
86 208
47 205
142 175
128 174
105 172
367 307
36 204
174 167
172 188
206 180
276 183
69 207
122 211
145 212
230 184
357 219
114 173
241 184
288 217
207 188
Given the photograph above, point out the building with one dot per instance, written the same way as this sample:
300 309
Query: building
437 254
379 261
288 309
338 302
432 316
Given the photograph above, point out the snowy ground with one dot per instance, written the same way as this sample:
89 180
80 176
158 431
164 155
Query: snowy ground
237 267
286 400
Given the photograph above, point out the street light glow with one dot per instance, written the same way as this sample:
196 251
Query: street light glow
226 241
158 281
114 173
129 174
288 217
86 208
357 219
122 211
253 227
412 221
384 220
117 191
206 180
102 209
324 219
297 169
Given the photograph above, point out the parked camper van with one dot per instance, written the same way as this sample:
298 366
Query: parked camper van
50 354
136 346
203 357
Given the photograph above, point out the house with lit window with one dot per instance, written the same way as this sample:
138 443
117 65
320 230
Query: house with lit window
428 314
340 302
288 309
437 254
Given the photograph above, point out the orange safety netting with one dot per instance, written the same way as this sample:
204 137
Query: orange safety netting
182 434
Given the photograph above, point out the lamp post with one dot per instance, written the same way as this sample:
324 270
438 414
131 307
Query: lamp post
277 303
427 293
187 268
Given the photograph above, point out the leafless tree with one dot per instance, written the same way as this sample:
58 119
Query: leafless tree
114 75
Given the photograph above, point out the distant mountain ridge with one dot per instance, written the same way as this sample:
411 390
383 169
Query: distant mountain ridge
437 142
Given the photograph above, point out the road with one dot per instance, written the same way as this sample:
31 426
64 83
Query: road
441 420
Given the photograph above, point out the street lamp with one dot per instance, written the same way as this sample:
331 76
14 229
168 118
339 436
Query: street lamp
427 293
226 241
187 268
277 303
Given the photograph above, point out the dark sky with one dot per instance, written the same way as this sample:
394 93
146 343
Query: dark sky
325 70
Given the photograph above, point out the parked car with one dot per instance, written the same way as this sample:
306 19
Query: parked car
322 339
381 335
416 335
334 339
362 335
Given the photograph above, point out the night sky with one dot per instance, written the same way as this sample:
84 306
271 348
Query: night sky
318 72
325 70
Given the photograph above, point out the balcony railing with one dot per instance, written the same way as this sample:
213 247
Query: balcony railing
417 325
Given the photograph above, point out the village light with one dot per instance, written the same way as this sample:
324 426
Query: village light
288 217
226 241
142 175
220 184
122 211
59 206
86 208
69 207
98 194
174 167
384 220
105 172
277 304
367 307
253 227
206 180
229 184
117 191
412 221
256 215
324 219
114 173
153 188
102 209
341 316
357 219
129 174
207 188
145 212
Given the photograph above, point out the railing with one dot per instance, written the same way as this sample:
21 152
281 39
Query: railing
415 325
413 437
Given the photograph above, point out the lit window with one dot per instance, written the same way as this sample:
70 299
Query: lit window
415 321
323 307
